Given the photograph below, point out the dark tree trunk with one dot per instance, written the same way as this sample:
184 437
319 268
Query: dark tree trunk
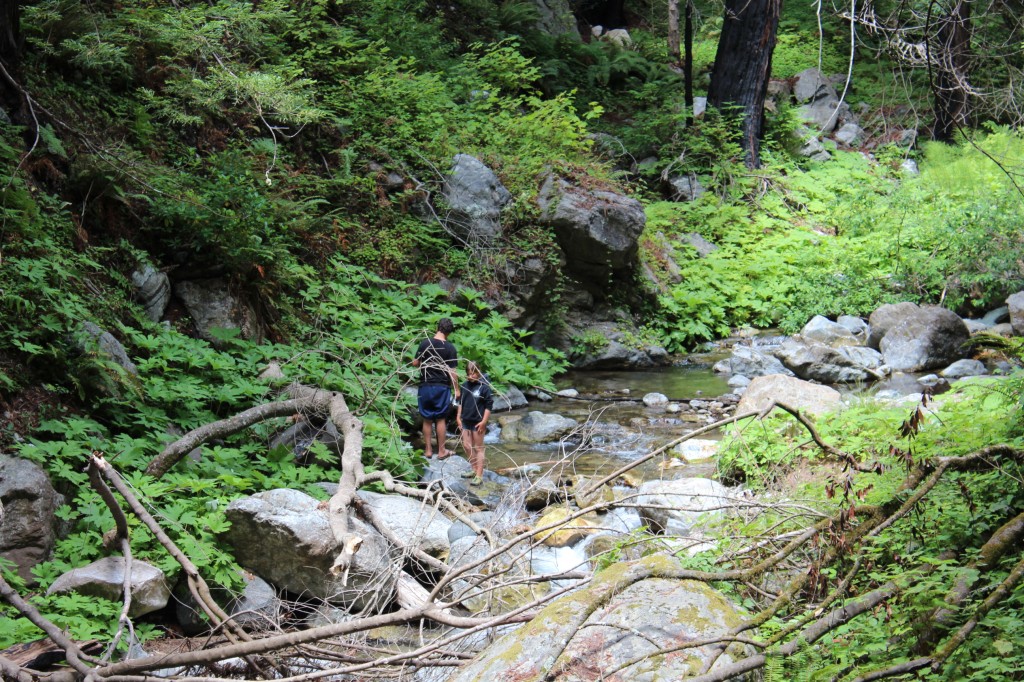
950 85
10 51
608 14
743 65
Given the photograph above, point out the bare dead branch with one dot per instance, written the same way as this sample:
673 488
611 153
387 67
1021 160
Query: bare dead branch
170 455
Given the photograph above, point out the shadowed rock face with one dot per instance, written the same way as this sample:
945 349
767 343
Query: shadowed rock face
597 230
27 518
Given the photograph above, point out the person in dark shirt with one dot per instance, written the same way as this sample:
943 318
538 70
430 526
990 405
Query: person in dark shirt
437 359
475 405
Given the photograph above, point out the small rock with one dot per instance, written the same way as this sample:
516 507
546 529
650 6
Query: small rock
655 400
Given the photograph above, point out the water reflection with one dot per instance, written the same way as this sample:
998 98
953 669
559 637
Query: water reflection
680 382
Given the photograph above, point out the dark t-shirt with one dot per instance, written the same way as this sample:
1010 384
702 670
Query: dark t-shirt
435 357
476 397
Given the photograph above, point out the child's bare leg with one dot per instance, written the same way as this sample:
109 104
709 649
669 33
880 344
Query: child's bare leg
478 452
467 444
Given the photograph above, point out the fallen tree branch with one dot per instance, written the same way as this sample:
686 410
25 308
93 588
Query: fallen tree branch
200 590
171 454
808 635
940 620
72 654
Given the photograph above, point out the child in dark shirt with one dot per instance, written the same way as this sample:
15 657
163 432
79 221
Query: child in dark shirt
475 404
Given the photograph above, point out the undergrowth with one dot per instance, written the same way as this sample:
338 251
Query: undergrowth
777 458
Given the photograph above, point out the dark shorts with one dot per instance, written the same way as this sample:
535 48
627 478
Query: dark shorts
469 426
434 401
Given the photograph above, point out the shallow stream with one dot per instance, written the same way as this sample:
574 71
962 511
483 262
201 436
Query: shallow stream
616 425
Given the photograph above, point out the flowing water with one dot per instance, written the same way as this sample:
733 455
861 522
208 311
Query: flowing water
616 426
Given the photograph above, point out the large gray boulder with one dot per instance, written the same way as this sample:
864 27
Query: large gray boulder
285 537
821 104
825 114
537 427
964 368
885 318
212 305
928 338
28 505
684 187
555 18
823 330
597 230
628 612
815 361
850 134
105 579
1015 306
94 338
257 607
796 393
676 507
856 326
475 198
810 84
751 362
509 399
416 524
618 348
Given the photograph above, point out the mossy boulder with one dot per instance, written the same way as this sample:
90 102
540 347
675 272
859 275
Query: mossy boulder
631 610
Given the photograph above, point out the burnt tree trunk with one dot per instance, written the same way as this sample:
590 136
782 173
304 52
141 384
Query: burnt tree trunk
950 86
743 64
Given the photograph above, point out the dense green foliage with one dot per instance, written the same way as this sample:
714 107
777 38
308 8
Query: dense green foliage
843 237
925 552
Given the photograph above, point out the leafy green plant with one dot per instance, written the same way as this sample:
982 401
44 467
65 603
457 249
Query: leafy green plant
588 343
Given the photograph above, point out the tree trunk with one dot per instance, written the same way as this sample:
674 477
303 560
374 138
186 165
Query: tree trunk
10 52
688 61
743 64
950 87
673 31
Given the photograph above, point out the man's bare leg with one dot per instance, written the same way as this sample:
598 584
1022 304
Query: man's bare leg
441 427
428 439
